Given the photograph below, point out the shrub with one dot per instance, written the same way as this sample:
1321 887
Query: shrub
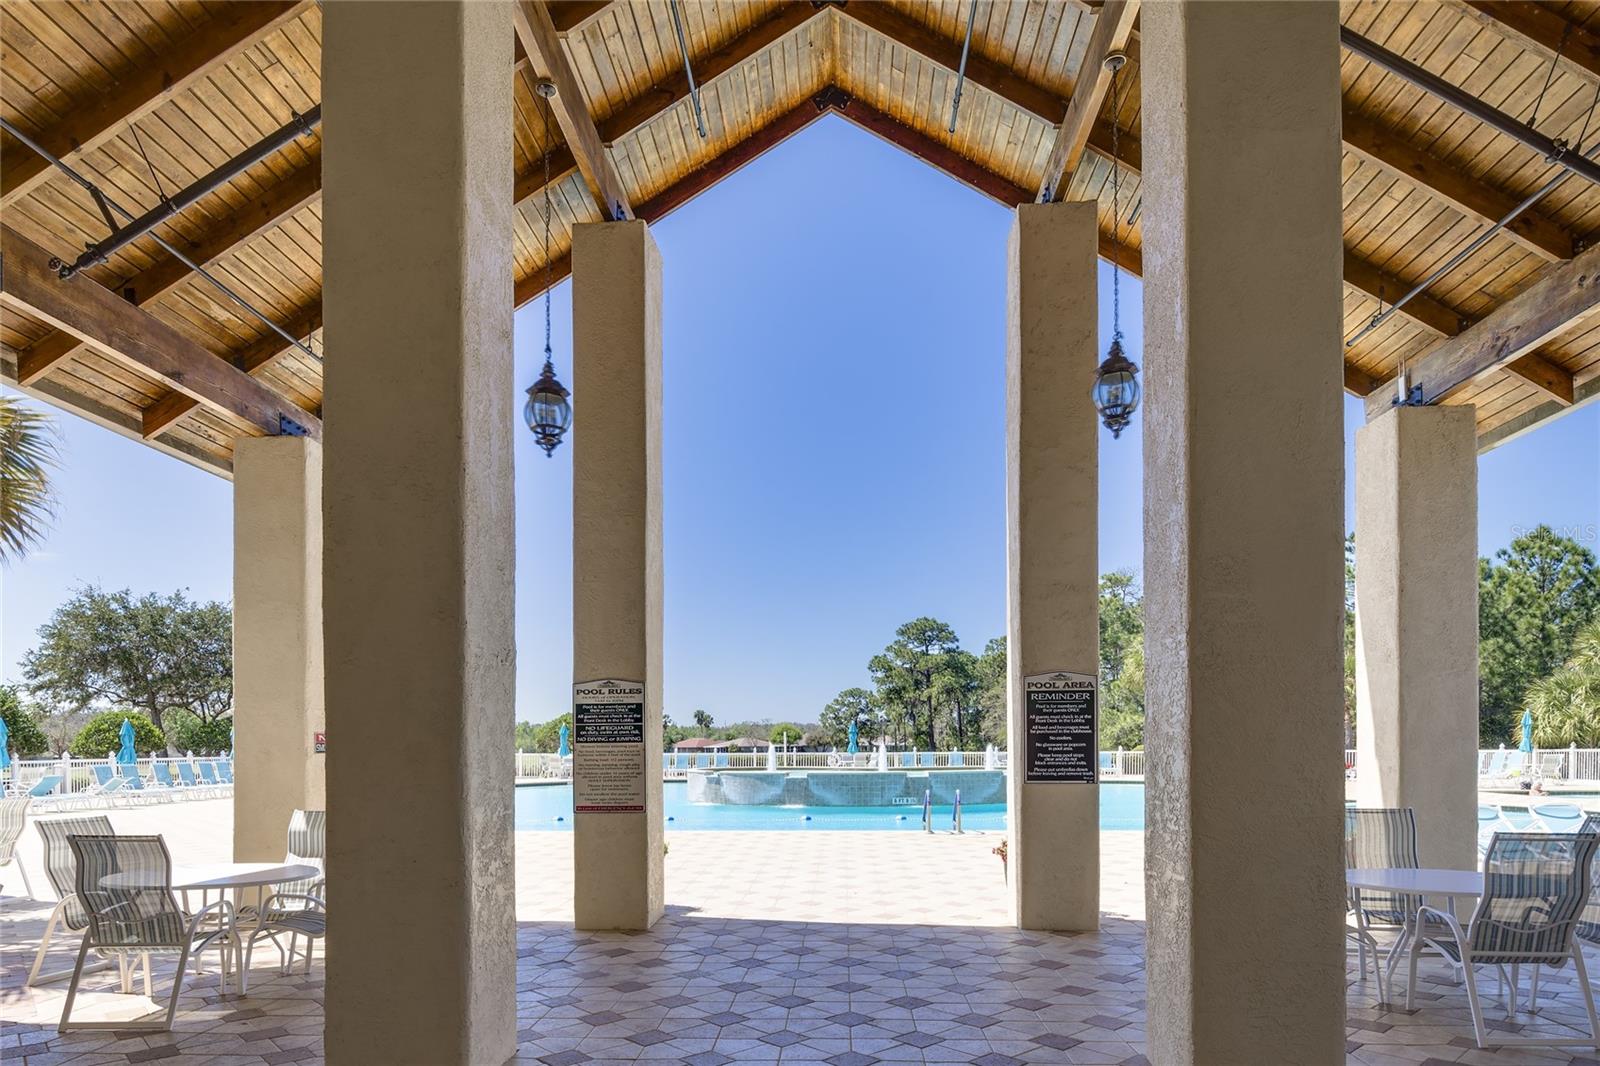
27 739
103 733
190 732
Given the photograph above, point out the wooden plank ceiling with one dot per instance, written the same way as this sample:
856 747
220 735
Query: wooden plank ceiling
146 97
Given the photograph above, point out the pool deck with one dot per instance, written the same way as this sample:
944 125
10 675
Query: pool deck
845 948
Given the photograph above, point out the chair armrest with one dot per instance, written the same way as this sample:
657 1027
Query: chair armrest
221 906
312 902
1426 914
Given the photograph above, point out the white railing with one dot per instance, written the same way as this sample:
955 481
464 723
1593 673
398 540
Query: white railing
1552 765
76 780
675 766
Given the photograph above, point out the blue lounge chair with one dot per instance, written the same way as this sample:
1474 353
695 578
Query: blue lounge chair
1108 764
225 770
163 776
45 786
186 775
925 759
721 760
907 759
106 783
957 759
1496 766
208 774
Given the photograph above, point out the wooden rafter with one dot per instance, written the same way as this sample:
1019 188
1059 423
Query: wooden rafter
539 39
166 411
281 201
996 78
1467 194
1542 31
1111 30
233 28
571 16
1565 295
137 338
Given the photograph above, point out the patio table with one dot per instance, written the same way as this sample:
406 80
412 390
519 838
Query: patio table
1414 881
223 877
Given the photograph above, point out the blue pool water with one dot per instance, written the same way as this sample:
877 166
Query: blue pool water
550 807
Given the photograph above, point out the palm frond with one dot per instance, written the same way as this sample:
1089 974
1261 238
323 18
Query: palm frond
29 456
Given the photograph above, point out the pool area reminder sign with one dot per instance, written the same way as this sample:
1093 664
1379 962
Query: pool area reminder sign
608 747
1060 714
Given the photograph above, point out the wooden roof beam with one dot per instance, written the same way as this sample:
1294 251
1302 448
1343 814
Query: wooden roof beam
1540 30
137 338
1111 30
542 43
1472 197
571 16
166 411
282 200
996 78
1564 296
230 31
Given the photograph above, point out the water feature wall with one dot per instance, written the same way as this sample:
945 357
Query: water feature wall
845 788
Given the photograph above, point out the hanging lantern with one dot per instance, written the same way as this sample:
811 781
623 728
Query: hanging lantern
1116 389
547 412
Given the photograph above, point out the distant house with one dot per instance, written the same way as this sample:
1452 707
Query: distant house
701 744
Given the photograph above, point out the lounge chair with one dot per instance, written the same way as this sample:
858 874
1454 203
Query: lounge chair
61 869
1380 837
1108 764
13 817
208 774
296 908
720 761
925 758
1557 817
1550 764
1534 889
225 770
163 775
107 783
958 759
187 776
1494 765
122 876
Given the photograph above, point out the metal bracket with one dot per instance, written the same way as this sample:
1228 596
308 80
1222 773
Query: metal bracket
832 98
288 427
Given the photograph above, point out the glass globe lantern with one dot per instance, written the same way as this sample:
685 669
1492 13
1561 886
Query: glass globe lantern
547 411
1116 389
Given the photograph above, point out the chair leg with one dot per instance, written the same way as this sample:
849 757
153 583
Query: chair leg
125 973
1533 989
149 993
44 945
1411 982
72 989
177 985
1512 990
23 870
1479 1030
1588 994
311 947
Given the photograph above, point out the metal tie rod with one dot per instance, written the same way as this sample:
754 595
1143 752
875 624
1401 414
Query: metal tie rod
1553 150
106 201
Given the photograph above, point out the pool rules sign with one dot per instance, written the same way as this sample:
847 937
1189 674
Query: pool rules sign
1061 716
608 746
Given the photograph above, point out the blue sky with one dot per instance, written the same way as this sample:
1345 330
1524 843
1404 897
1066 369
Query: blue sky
834 447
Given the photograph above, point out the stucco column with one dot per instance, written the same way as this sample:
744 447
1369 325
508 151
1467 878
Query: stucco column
616 568
1052 544
418 577
1243 503
1417 624
277 640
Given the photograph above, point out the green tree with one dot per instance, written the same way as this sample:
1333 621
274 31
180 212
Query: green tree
785 733
905 673
150 652
992 691
1566 705
703 721
187 732
852 705
27 739
1121 661
103 735
957 692
1533 599
29 456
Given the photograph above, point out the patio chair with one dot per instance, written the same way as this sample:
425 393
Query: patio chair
61 870
1380 837
1550 764
1108 764
125 886
163 775
1534 889
105 782
958 758
46 786
13 816
208 774
296 908
225 770
721 760
186 775
1494 766
1516 765
925 759
1557 817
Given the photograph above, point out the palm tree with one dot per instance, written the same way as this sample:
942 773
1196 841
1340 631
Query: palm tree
29 456
1566 705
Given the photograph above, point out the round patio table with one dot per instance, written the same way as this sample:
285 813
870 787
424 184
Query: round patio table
1413 881
214 876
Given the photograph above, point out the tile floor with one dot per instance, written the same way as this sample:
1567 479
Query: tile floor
798 959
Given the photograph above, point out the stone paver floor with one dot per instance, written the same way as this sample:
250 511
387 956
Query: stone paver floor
837 948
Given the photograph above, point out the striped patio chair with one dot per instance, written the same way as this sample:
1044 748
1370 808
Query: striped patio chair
297 908
1589 920
1535 886
125 886
13 816
1380 837
61 869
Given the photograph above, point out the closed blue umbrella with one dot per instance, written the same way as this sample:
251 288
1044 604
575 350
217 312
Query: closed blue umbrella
1527 732
564 750
5 745
126 755
854 736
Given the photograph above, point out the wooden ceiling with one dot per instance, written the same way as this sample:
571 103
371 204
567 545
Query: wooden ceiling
146 97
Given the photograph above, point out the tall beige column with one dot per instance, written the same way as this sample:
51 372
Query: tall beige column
1417 624
616 572
420 410
277 640
1052 577
1243 500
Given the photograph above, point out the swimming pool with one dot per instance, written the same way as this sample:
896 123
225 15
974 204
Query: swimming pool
549 807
